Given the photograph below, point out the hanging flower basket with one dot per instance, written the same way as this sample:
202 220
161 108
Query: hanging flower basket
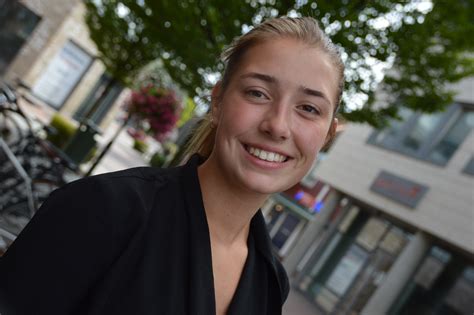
153 111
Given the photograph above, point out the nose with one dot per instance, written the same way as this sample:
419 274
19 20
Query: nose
276 123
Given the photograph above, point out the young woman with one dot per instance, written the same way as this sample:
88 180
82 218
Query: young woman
189 240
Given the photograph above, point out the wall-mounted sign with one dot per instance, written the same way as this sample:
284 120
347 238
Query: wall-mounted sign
62 74
399 189
346 270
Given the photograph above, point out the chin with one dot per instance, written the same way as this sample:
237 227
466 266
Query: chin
268 186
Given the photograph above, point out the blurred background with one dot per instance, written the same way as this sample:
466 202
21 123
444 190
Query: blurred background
384 221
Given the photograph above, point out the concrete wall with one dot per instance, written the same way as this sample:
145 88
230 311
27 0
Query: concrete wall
447 209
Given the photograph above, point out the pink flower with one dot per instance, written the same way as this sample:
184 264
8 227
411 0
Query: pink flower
156 106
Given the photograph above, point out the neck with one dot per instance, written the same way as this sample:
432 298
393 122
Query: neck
229 209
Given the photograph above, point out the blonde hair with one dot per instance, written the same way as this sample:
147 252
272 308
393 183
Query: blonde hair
305 29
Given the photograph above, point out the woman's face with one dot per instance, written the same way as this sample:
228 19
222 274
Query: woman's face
274 115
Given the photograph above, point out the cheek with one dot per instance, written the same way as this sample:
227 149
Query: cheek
237 117
311 140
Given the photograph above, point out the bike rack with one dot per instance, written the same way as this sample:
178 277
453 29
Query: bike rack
23 174
9 236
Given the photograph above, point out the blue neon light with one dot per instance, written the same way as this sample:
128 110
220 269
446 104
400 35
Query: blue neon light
299 195
318 206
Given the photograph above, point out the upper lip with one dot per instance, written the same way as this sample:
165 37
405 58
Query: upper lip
267 148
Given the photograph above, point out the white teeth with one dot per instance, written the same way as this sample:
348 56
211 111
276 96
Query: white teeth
265 155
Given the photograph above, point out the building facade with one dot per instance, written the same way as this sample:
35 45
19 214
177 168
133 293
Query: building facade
385 223
46 45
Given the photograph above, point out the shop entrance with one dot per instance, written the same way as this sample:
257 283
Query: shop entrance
348 267
283 227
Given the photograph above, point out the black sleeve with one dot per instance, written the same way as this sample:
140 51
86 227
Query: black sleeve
70 242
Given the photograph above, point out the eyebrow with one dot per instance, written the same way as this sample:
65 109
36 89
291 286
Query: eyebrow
260 76
271 79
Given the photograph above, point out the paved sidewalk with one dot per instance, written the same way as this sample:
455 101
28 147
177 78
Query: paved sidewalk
297 304
121 155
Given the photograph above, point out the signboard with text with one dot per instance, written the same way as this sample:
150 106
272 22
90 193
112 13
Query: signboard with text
62 74
399 189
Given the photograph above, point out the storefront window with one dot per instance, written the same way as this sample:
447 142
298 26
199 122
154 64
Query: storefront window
344 273
284 227
288 225
443 284
16 25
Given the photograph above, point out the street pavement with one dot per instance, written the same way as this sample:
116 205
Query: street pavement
296 304
121 154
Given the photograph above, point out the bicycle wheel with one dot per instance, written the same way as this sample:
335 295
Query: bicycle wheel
42 188
6 238
13 126
15 217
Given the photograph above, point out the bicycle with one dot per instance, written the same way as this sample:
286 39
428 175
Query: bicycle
30 166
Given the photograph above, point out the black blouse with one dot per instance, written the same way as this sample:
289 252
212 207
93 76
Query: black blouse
131 242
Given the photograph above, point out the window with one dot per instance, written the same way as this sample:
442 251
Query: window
442 284
431 137
345 268
96 112
16 25
446 147
389 136
421 130
63 73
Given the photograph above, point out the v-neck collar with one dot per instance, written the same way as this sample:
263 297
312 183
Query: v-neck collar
201 275
241 295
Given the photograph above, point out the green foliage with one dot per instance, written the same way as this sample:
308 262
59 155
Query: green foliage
163 157
187 112
427 49
157 159
140 145
63 130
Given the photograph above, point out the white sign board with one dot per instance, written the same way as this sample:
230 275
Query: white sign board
62 74
346 271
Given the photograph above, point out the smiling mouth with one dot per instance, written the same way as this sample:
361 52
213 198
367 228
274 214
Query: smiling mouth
266 155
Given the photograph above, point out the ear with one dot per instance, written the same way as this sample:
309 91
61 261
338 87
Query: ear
331 132
215 101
